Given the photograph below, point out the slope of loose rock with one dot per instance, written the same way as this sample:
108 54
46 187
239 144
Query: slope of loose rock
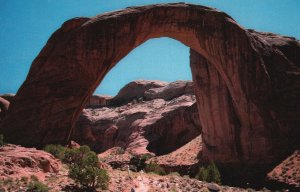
287 172
183 160
142 182
19 164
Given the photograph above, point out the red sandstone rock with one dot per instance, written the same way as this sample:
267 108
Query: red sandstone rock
17 162
9 96
98 100
184 160
135 90
247 83
4 104
142 126
287 172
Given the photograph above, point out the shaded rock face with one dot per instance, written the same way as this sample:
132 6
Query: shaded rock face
251 81
9 96
142 125
4 104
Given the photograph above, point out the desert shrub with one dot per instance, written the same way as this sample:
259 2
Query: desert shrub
84 168
140 161
202 174
1 140
120 151
155 168
36 186
34 178
210 173
57 151
24 179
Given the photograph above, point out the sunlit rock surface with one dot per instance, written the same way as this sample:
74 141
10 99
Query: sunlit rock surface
158 124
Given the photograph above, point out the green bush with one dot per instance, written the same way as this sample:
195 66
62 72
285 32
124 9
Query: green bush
155 168
84 168
34 178
210 173
139 161
1 140
24 179
36 186
57 151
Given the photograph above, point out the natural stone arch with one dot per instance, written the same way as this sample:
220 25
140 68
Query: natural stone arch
230 64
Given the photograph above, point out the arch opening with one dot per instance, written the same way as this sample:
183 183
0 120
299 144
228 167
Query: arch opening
155 101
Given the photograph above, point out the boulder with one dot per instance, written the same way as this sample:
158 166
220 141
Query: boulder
17 162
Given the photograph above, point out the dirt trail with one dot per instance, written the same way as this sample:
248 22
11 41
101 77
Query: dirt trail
142 183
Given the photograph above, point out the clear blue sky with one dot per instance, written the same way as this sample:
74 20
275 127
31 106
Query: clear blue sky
25 26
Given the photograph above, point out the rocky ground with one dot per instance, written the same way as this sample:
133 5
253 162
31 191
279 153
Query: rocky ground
20 165
287 172
26 162
183 160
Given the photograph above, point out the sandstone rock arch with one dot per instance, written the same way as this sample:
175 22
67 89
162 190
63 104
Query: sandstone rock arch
240 77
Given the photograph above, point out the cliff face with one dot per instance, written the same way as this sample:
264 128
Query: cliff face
247 83
142 118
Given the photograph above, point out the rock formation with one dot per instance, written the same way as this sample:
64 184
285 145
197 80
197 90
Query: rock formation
154 117
185 160
98 100
8 96
247 83
4 104
17 162
287 172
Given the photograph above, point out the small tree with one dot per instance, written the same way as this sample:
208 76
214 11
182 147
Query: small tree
210 173
57 151
139 161
214 173
155 168
84 168
202 174
36 186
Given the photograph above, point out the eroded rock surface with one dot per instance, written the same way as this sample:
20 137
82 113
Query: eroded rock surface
17 162
150 121
184 160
